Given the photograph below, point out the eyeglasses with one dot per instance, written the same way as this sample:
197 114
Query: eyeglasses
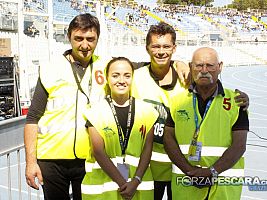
163 48
210 67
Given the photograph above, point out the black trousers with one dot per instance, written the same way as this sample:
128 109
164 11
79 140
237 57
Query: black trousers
159 188
58 175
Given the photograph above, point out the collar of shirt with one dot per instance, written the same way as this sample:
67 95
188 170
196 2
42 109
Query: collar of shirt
67 52
78 67
174 78
219 90
201 103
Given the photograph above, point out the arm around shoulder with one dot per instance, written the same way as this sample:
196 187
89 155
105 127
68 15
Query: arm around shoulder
183 71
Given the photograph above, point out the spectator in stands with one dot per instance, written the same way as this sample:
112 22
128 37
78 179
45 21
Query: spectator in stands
27 6
256 40
46 29
65 31
56 140
33 30
206 134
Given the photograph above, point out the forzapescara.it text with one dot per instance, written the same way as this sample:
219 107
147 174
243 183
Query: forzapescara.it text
253 183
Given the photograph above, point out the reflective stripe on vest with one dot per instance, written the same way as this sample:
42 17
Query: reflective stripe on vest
229 172
58 103
54 128
160 157
99 189
111 186
206 150
131 160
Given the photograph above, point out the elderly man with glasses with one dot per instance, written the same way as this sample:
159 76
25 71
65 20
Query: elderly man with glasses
206 134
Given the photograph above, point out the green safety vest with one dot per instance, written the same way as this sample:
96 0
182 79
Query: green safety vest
145 87
215 135
96 183
56 128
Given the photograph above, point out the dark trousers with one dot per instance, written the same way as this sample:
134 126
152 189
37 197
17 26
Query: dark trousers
58 175
159 188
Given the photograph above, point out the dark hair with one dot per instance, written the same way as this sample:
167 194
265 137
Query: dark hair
161 28
84 22
113 60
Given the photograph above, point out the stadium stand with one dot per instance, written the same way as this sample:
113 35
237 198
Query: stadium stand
39 6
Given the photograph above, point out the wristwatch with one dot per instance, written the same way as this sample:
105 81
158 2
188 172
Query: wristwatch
138 179
213 171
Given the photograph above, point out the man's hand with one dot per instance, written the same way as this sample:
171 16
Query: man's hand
183 71
202 177
128 189
32 168
242 99
33 171
200 172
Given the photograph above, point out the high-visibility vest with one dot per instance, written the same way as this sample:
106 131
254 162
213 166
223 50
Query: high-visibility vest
57 137
145 87
96 183
215 135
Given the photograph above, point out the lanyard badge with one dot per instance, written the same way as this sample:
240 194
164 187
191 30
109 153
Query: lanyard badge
123 140
195 148
194 153
123 168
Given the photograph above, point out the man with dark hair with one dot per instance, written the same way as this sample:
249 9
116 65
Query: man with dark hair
56 140
160 29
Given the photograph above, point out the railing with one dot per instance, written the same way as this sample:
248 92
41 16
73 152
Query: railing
12 185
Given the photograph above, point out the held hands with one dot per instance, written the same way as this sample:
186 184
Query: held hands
33 171
199 172
200 177
128 189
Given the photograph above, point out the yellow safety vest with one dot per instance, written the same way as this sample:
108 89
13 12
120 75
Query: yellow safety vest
57 137
96 183
215 135
144 87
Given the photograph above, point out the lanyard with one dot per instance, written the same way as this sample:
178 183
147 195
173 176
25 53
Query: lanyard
79 82
124 142
195 114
